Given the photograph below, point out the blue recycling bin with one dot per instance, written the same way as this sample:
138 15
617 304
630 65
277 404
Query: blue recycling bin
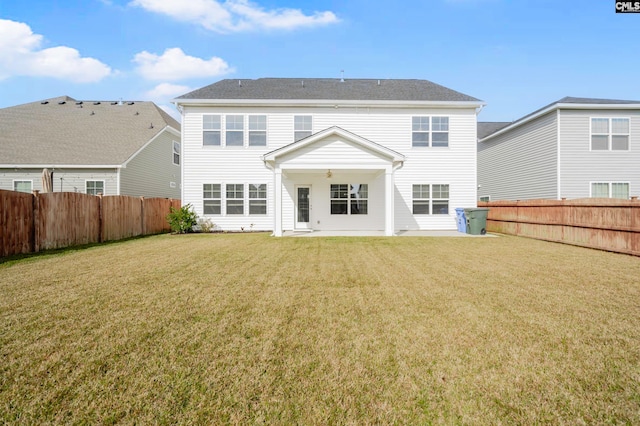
461 220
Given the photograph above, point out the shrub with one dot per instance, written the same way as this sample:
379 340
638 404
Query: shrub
206 225
183 219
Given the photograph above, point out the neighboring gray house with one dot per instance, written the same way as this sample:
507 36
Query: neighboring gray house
113 148
572 148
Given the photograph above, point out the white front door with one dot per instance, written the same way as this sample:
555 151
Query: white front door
303 207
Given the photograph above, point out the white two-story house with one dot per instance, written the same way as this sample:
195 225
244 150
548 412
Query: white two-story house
328 154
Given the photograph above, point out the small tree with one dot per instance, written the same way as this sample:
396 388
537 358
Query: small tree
183 219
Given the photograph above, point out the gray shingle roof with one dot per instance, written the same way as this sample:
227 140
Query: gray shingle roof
572 100
64 132
328 89
485 128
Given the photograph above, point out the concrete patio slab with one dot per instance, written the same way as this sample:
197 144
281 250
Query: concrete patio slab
381 234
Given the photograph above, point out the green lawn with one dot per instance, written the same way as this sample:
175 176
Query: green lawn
246 328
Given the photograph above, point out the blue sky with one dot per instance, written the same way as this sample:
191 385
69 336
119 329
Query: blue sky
517 56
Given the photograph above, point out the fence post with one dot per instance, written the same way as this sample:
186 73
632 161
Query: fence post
35 225
100 219
143 231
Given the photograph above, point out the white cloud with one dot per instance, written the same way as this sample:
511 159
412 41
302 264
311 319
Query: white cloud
21 55
235 15
173 65
166 91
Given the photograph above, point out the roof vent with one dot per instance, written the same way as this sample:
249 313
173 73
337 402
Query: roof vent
62 102
302 83
239 83
96 103
378 82
341 76
44 102
137 113
114 103
93 113
130 103
151 126
79 103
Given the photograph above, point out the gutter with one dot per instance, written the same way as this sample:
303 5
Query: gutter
334 103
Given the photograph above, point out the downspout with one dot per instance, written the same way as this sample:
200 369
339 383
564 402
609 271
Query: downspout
558 164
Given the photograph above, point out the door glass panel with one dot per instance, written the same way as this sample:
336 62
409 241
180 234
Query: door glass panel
303 205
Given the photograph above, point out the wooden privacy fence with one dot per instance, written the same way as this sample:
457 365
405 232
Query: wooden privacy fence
601 223
34 222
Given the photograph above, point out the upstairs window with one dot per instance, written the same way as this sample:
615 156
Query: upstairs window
609 134
211 130
211 198
257 130
235 130
430 131
95 187
176 153
302 126
23 186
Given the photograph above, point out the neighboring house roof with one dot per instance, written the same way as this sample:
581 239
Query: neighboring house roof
568 102
327 89
63 131
485 128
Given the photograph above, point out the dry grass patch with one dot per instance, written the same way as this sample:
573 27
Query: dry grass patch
247 329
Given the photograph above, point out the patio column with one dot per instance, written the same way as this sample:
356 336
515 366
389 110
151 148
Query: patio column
388 202
277 202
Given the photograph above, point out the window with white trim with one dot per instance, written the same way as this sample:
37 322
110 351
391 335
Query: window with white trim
235 198
94 187
430 199
211 199
610 190
235 130
609 134
429 131
485 198
211 130
257 199
302 127
23 186
257 130
176 153
349 199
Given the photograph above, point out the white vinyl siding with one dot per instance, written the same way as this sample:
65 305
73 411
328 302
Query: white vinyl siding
387 126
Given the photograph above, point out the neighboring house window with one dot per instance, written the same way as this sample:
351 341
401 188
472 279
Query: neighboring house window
176 153
23 186
431 199
609 134
95 187
258 199
235 130
349 198
430 131
211 198
257 130
211 130
235 198
302 126
610 190
485 199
